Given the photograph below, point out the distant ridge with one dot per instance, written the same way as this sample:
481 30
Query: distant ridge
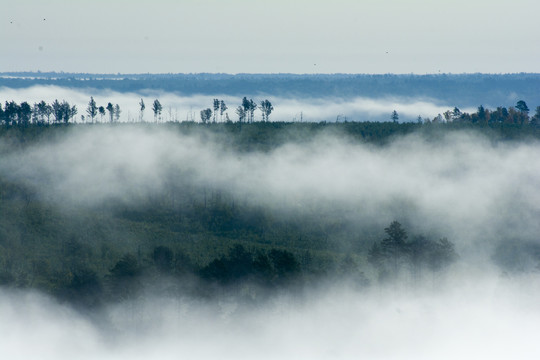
465 89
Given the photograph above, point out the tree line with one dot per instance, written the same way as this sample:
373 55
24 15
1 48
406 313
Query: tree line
24 114
518 114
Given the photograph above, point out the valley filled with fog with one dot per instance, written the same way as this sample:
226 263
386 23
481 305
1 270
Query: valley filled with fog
335 194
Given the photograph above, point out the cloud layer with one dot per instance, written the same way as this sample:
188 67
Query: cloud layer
485 318
181 108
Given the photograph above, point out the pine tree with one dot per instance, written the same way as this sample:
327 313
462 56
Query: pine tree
92 109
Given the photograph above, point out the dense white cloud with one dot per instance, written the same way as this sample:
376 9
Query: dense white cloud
483 317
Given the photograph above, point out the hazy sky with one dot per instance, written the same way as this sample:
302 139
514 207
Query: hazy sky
297 36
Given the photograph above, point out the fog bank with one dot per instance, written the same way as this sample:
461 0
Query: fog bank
477 193
495 318
177 107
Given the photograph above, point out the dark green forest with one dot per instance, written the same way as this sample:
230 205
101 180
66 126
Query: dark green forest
203 240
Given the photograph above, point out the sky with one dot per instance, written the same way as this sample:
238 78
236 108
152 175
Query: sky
300 36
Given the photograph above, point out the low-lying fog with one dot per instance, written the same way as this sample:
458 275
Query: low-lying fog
462 186
481 319
180 108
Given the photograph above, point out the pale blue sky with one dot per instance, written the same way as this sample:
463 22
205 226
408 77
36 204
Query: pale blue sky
384 36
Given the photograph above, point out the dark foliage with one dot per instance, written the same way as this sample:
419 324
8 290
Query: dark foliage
394 255
274 267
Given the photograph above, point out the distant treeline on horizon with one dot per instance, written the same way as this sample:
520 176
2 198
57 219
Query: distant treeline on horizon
464 89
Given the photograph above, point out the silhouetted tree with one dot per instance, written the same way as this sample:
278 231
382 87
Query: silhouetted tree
25 114
157 108
481 115
92 109
141 110
252 108
58 111
216 108
44 111
394 246
241 114
396 238
395 116
266 109
206 114
101 111
11 111
249 107
522 106
35 115
62 111
456 114
394 253
72 111
110 109
222 109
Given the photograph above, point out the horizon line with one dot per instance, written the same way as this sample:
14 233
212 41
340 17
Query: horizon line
39 72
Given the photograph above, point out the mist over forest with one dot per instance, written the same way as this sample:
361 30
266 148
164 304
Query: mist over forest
270 239
320 97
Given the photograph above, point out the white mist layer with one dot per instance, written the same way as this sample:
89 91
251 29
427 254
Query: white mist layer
181 108
466 188
463 186
481 318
